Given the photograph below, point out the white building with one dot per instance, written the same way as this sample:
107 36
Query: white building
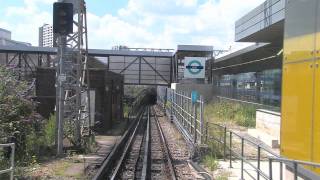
46 37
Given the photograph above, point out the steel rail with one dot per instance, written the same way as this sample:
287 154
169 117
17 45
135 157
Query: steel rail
166 148
120 163
147 149
112 158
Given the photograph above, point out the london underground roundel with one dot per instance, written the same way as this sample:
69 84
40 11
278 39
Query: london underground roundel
194 67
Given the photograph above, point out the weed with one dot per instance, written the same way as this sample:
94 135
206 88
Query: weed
224 111
49 130
210 162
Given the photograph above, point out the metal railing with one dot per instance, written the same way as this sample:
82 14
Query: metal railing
256 160
12 152
188 114
235 146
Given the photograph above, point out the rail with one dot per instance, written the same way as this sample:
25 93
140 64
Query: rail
12 153
146 158
166 148
112 158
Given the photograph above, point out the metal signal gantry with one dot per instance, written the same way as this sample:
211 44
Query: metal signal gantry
73 95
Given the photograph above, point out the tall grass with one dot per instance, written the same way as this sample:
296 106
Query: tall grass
234 112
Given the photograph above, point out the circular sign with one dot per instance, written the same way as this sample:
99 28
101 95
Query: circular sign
194 67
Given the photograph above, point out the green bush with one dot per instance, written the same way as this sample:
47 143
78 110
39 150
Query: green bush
18 121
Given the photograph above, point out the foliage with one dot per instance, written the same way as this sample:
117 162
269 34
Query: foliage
18 121
226 111
50 130
222 177
211 162
126 110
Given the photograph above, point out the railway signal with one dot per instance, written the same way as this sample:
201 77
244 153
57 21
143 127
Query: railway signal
70 25
62 18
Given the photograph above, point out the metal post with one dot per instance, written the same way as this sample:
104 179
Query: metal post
230 149
182 106
201 119
259 155
225 143
195 122
178 107
295 166
175 103
270 169
7 59
242 156
182 109
12 160
281 170
185 102
139 70
60 95
188 111
210 69
171 105
207 126
191 115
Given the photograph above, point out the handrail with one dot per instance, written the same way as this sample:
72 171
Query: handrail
261 145
295 161
180 109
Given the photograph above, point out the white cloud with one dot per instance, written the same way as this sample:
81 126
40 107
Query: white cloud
210 23
186 3
24 21
145 23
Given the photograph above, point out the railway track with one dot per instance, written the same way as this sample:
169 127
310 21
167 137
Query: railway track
180 152
143 152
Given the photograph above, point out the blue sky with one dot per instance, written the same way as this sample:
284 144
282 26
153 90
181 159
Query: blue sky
108 6
137 23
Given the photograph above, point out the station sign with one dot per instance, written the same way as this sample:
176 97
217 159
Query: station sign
194 67
194 97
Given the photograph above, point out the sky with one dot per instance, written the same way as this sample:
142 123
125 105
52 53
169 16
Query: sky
137 23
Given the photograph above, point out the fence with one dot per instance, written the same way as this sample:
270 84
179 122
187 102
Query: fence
257 161
11 169
189 115
251 95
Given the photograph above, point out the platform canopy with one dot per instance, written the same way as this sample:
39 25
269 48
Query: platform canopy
258 57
